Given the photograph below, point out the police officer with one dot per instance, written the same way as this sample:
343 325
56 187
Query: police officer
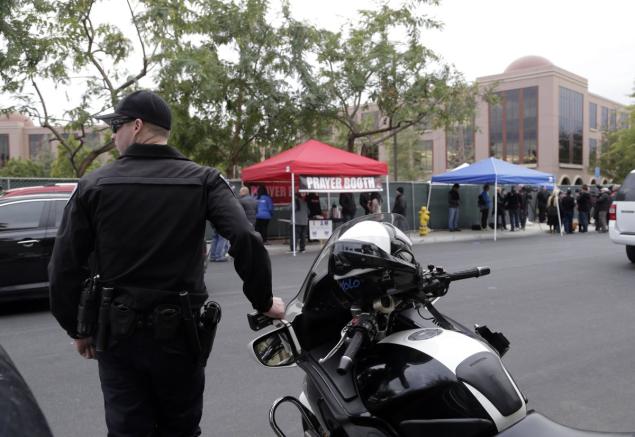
141 222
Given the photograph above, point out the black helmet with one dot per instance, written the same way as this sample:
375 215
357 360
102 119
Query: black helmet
373 259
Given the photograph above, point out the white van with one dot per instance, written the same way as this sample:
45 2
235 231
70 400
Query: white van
622 216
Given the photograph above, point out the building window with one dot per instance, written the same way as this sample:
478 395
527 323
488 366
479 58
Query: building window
570 126
37 143
370 120
604 124
459 145
593 116
513 126
593 153
4 149
529 144
623 120
613 120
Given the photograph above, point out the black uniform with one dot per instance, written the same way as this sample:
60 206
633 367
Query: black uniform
143 220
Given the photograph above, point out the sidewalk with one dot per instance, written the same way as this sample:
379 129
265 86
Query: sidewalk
434 236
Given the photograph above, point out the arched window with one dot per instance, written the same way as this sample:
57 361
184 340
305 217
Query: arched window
565 180
578 181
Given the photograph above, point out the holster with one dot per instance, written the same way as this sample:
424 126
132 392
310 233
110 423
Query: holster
208 322
103 321
88 307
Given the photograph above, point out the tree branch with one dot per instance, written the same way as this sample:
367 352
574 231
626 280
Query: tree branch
51 128
89 30
144 68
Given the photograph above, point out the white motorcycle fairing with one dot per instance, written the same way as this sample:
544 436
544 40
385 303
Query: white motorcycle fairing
472 363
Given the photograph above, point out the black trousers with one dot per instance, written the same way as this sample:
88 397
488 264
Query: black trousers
300 237
261 228
151 388
484 215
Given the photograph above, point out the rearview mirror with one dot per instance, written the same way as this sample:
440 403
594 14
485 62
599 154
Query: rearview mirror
277 348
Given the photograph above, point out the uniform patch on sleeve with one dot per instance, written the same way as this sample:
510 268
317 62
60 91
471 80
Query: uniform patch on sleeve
230 186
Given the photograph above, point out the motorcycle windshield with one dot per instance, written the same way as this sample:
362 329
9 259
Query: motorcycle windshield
319 271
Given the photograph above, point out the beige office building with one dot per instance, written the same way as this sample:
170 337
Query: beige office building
20 138
545 118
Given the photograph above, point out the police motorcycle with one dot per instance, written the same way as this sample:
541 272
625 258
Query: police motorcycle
380 360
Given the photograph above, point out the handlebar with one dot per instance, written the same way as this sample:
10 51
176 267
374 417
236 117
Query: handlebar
437 281
349 354
469 273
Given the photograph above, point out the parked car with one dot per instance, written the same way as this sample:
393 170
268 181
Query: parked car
41 189
28 225
622 216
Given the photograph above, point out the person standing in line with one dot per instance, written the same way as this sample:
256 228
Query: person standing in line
541 203
454 202
136 226
347 202
568 206
524 197
513 204
249 204
584 208
364 201
501 223
603 204
301 222
484 205
264 213
315 209
552 211
375 203
399 207
219 248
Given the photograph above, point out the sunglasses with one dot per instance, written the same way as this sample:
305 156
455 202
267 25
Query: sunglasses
118 122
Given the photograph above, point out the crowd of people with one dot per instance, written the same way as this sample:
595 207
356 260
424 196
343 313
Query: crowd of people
591 206
514 207
259 210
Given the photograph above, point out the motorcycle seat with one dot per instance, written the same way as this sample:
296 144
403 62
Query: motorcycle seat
535 424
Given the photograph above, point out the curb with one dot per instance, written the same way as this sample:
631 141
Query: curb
439 236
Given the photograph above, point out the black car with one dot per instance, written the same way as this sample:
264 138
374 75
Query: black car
28 225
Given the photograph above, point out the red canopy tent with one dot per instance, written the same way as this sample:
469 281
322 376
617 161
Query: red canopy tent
313 158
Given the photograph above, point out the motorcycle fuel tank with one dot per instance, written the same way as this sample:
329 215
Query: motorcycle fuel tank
433 374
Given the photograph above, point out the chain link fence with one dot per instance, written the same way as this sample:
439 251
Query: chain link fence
415 193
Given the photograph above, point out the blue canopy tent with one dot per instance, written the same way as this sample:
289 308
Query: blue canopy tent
495 171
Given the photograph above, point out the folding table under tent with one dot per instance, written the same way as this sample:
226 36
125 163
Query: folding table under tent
318 167
495 171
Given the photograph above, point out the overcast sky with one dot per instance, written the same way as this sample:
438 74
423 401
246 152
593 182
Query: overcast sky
593 39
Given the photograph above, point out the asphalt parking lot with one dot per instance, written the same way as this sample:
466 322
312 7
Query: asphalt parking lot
566 304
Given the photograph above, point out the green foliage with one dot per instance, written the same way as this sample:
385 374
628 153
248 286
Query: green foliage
23 168
380 60
62 165
58 42
233 91
619 159
242 83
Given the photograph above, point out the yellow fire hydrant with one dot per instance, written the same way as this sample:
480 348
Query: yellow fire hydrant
424 218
